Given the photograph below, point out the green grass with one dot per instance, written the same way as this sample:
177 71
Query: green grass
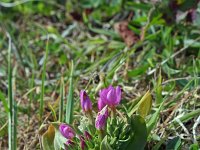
12 114
43 79
70 98
61 104
52 56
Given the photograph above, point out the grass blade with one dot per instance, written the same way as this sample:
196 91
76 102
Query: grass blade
70 100
12 116
61 105
158 89
43 79
3 99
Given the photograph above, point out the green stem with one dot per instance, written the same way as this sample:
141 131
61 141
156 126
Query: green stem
90 116
70 100
101 134
92 123
61 105
113 112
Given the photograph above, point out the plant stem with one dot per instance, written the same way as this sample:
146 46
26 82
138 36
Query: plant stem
61 100
43 79
70 100
101 134
12 116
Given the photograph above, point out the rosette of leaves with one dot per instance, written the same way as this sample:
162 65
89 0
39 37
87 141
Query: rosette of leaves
125 134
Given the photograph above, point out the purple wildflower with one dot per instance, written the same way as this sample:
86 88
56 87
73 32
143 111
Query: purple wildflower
101 104
86 104
110 96
101 119
66 131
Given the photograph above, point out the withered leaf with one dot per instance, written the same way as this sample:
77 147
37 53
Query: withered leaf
127 35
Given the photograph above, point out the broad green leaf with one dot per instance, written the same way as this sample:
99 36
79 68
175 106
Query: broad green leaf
136 107
139 139
48 138
105 145
59 141
174 144
194 147
145 105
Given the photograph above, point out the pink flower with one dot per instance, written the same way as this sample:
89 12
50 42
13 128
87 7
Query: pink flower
110 96
66 131
101 104
101 119
86 104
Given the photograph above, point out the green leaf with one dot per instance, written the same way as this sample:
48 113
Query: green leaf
194 147
158 89
187 116
140 6
138 71
158 145
48 138
110 33
3 124
139 106
145 105
139 139
70 99
152 122
105 145
174 144
170 71
59 141
3 99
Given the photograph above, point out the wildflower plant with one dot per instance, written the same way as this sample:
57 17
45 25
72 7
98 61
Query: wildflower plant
111 127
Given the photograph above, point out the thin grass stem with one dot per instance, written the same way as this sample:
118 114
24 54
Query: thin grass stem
43 80
70 100
61 105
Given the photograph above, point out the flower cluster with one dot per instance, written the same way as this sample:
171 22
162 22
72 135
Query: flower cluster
108 98
68 133
86 104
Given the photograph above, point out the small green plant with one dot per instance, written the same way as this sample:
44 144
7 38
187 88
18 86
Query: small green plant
111 130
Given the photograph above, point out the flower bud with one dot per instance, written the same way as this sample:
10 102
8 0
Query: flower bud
86 104
101 119
87 135
66 131
83 144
